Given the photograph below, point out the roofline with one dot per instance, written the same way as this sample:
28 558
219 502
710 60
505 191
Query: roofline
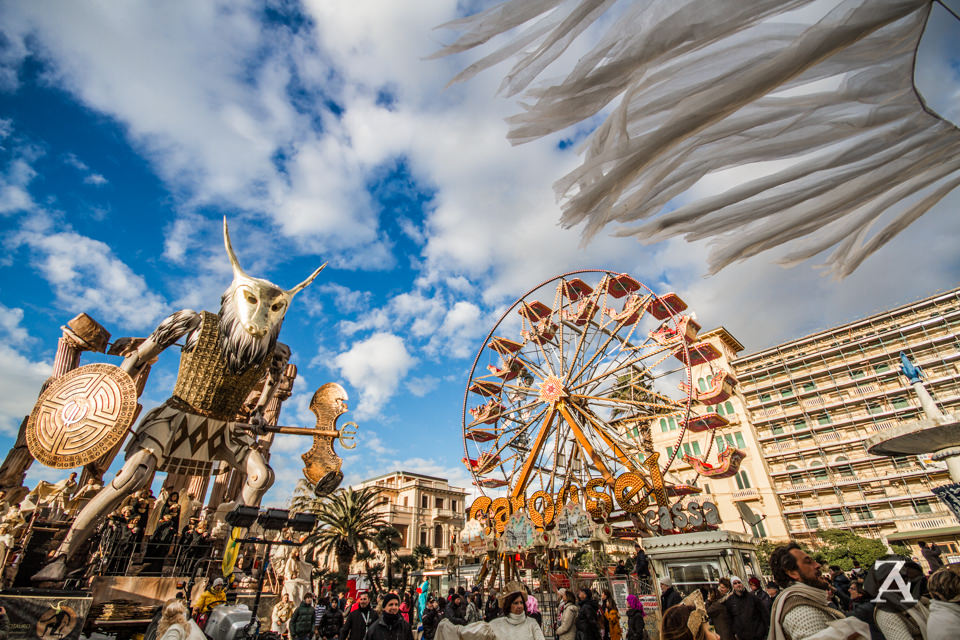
725 336
848 325
407 473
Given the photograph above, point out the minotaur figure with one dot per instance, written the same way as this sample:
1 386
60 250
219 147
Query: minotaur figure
225 356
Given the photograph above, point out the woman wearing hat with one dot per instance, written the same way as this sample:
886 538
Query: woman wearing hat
390 625
515 623
687 621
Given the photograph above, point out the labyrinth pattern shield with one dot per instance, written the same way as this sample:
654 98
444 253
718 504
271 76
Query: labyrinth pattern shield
81 416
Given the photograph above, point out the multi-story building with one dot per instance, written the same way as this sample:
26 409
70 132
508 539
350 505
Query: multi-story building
751 484
813 402
424 509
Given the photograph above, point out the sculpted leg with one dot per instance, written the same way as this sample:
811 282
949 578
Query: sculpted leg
259 478
134 474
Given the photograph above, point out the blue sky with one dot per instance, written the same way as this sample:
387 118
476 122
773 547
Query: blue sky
127 130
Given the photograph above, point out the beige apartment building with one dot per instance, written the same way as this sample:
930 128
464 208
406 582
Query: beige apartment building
802 411
751 485
424 509
813 402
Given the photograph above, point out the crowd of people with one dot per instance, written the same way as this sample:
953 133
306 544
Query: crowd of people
806 600
512 613
158 531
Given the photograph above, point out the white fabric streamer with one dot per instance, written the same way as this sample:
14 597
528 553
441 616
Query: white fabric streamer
708 85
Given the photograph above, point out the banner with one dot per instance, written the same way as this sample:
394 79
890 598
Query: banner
949 495
45 617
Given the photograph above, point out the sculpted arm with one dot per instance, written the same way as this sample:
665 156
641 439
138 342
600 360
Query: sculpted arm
281 355
167 333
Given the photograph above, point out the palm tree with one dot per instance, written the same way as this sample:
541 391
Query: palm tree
387 540
346 521
406 564
421 552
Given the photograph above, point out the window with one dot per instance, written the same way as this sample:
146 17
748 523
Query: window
739 438
921 506
857 373
729 407
423 537
789 404
758 530
803 438
720 444
663 425
824 419
863 513
881 368
836 516
702 384
902 462
777 430
819 475
812 521
845 470
799 425
809 386
669 452
438 537
786 393
424 503
438 503
764 397
743 480
453 505
796 479
874 409
900 403
405 501
673 424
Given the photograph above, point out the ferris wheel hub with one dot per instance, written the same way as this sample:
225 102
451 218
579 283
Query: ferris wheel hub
552 390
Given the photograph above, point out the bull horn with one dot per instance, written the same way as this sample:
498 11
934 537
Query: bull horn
300 287
237 269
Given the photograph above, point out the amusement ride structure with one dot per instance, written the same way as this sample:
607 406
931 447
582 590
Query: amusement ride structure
563 394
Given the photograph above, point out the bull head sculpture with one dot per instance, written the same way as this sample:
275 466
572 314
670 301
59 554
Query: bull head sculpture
252 311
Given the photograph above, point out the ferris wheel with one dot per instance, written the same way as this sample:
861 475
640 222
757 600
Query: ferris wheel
570 381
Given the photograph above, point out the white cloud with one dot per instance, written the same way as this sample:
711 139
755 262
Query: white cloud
85 274
20 376
376 366
95 179
423 385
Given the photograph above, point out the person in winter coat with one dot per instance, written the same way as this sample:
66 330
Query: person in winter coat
588 624
613 618
473 608
357 622
456 610
430 619
931 555
636 626
533 610
717 610
301 621
406 606
213 596
669 596
390 625
944 587
841 585
174 623
641 564
332 620
749 619
567 629
862 608
755 588
491 609
515 624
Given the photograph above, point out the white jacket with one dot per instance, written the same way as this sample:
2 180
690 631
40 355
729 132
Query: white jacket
516 627
944 620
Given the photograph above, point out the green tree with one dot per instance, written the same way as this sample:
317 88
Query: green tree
405 564
841 548
421 552
347 522
388 540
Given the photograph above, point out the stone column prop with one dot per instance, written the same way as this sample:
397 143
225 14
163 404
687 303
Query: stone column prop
80 334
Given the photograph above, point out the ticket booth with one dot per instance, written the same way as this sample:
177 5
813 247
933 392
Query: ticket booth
693 560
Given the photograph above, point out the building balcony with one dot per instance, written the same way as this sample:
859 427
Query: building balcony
445 514
743 495
928 521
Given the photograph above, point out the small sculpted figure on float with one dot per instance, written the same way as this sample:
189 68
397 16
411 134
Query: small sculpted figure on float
224 358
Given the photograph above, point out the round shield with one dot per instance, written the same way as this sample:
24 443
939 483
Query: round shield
82 416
